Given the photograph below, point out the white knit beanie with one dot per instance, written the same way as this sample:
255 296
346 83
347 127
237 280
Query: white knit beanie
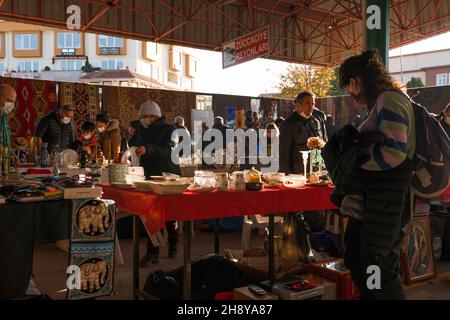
150 108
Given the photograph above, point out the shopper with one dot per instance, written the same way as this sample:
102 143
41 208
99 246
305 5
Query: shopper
55 129
109 137
374 237
132 133
87 141
155 145
295 131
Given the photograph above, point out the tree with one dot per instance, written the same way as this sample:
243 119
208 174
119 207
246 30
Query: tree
87 67
336 90
298 78
415 83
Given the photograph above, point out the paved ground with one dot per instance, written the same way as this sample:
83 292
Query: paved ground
50 264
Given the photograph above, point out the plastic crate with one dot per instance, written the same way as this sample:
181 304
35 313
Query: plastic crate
345 288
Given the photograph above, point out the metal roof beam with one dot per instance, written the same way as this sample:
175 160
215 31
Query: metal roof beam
108 5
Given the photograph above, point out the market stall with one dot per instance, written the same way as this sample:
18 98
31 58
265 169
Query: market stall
155 209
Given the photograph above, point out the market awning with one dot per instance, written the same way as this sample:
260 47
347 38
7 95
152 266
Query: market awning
320 32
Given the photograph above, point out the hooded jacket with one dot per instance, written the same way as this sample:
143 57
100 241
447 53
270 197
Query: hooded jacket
110 139
157 139
53 132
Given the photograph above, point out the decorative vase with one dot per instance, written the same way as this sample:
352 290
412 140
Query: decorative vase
44 157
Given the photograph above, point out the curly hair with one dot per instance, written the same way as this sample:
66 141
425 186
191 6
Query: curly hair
369 67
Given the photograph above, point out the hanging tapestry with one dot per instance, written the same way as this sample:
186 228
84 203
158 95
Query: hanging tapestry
84 97
35 98
123 103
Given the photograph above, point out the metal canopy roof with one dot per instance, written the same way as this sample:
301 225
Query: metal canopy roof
321 32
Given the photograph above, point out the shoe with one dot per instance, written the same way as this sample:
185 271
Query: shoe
148 259
172 252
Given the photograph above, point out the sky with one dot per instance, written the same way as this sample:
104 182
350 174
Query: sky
262 75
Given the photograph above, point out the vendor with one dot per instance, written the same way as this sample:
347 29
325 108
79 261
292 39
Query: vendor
109 137
87 141
155 149
56 129
7 101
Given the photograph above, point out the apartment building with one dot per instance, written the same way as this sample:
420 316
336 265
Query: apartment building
432 67
30 51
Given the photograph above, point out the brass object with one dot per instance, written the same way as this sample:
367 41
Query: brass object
94 218
93 275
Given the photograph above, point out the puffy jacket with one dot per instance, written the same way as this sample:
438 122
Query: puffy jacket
294 133
157 139
384 194
110 140
53 132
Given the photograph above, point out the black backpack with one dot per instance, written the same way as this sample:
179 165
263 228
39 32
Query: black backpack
210 275
432 157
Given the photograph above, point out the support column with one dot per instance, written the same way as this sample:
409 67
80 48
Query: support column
377 27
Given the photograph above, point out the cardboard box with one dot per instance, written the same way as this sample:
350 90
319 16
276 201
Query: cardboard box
83 193
243 293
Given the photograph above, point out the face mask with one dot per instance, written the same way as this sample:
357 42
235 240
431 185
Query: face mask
66 120
359 98
447 120
101 129
145 122
87 137
8 107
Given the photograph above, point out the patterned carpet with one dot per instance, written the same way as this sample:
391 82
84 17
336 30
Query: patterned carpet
35 98
123 103
84 97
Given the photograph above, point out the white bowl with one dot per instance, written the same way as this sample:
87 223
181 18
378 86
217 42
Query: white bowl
176 187
131 178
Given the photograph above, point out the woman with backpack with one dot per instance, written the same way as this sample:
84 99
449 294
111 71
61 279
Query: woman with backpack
375 191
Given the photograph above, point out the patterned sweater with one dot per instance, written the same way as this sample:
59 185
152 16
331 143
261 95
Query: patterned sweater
392 115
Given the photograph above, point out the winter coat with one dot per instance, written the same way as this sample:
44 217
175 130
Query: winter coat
91 143
381 197
157 139
294 133
53 132
110 140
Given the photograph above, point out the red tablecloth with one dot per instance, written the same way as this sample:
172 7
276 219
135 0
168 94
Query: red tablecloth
157 209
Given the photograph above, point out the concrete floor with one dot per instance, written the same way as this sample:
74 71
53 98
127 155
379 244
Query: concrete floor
50 263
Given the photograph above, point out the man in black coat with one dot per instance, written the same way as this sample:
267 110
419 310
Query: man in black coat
295 131
155 145
56 129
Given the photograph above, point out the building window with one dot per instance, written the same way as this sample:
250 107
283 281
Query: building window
107 83
69 40
151 50
172 78
191 66
27 66
441 79
124 83
26 42
71 65
175 57
110 42
112 64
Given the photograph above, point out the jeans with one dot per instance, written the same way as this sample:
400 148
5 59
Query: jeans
357 258
172 233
